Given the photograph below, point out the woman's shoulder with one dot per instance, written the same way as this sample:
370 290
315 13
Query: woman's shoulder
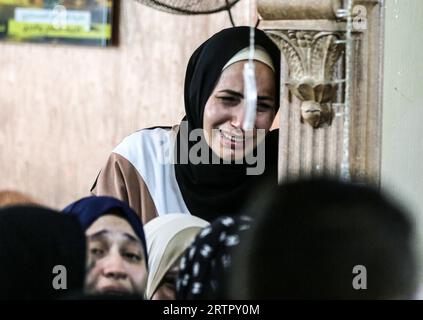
147 134
146 142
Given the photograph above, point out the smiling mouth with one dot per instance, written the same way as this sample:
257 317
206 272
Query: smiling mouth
232 138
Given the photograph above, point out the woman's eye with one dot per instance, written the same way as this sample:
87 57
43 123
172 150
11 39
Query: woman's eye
170 282
132 256
227 100
264 107
170 285
97 252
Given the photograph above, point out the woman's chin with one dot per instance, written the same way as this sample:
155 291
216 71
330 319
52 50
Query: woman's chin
231 154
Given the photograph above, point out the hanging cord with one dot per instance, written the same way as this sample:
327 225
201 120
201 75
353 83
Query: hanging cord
257 23
231 18
228 8
345 165
250 87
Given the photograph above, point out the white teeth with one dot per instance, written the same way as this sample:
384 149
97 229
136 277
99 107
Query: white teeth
233 138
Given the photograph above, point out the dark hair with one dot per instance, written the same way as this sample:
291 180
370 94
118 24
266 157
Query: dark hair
34 241
309 236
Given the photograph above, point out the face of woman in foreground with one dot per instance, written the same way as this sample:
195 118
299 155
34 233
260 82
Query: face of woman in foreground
116 260
225 109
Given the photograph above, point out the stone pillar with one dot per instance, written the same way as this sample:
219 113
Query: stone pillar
312 37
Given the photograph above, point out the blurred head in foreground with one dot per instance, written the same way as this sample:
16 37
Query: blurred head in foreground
326 240
42 254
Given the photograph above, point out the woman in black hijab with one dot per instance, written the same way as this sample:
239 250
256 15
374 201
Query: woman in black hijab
214 97
210 190
42 254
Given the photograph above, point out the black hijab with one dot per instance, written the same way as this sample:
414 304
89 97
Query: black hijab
33 240
212 190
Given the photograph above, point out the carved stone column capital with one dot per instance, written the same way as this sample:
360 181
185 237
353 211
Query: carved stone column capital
311 56
311 35
340 110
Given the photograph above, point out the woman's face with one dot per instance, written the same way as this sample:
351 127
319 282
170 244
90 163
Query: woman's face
225 108
116 260
167 287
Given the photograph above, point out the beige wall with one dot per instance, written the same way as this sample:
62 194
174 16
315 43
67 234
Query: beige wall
402 142
64 108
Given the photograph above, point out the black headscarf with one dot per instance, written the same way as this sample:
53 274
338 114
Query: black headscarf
212 190
33 240
204 268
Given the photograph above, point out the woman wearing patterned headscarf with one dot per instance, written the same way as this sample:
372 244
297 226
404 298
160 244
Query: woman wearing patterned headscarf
206 263
201 166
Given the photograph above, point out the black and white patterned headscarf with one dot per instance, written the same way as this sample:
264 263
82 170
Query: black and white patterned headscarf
206 263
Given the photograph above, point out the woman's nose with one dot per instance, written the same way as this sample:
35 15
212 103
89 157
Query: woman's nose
113 267
237 116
